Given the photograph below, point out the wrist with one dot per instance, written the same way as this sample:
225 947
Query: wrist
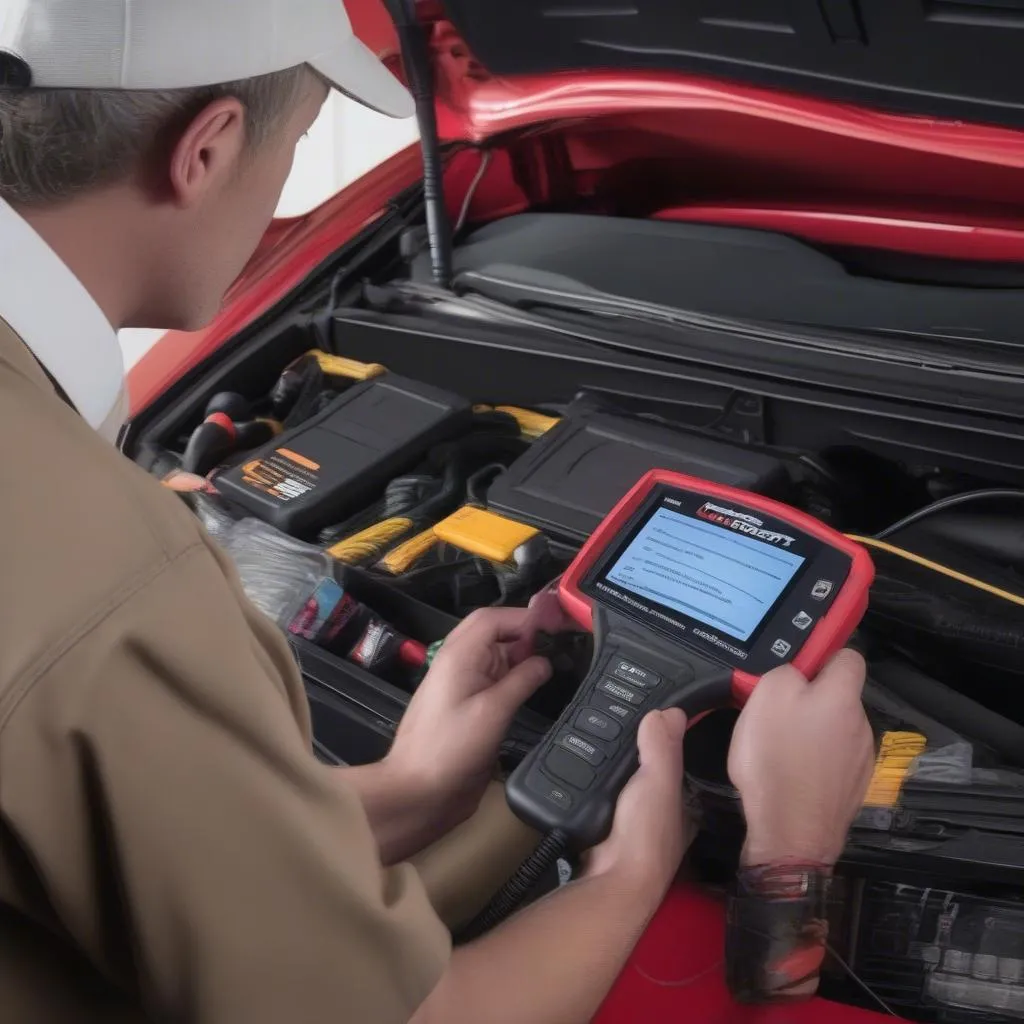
416 788
442 802
402 810
643 883
763 848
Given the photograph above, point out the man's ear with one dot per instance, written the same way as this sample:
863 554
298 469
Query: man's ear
208 151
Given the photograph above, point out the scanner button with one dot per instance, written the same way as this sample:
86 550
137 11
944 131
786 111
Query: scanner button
634 674
548 789
558 797
569 768
623 712
578 745
594 723
620 692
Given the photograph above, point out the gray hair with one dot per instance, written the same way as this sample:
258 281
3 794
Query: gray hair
58 143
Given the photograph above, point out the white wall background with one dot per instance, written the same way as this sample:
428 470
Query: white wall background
346 142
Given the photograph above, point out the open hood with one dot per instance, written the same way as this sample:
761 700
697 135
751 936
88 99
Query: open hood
885 124
946 59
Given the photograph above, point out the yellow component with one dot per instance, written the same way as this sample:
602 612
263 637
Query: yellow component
370 543
401 559
882 545
483 408
531 424
895 755
338 366
485 534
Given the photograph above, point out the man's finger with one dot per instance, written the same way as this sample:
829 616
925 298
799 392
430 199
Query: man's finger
784 675
676 722
551 617
516 626
660 743
545 615
522 683
491 626
847 670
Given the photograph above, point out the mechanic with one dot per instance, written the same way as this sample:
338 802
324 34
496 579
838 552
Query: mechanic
169 846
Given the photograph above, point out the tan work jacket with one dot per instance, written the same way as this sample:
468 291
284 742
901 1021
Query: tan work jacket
169 847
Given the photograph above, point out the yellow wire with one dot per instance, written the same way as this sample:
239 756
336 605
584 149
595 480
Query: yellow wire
372 542
871 542
896 753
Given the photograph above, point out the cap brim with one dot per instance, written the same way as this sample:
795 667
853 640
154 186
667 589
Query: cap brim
355 70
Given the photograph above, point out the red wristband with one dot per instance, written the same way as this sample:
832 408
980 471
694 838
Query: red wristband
782 879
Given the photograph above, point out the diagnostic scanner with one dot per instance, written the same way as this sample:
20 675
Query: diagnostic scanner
693 591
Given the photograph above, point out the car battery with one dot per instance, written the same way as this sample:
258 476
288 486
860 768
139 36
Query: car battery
336 463
572 477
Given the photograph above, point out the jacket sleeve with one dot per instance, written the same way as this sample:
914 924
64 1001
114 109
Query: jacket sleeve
160 778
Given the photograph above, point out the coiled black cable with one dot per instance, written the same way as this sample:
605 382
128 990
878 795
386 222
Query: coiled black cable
515 891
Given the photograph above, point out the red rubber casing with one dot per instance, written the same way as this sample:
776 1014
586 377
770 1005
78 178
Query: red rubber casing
828 637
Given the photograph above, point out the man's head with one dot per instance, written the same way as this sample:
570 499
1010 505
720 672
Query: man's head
184 181
159 135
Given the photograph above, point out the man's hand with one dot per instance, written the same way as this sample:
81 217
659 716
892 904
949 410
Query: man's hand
802 756
447 743
573 944
650 833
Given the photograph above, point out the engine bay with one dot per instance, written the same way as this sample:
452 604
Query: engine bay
380 470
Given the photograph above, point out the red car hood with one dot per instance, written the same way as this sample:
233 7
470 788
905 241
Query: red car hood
922 76
944 59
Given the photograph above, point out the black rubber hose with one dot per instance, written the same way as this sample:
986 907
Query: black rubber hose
967 717
512 895
953 501
209 445
421 85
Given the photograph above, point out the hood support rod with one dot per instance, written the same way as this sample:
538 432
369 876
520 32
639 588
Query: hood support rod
416 57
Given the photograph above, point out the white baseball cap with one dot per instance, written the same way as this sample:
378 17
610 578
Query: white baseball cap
184 44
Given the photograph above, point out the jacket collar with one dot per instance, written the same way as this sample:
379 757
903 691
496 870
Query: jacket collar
49 309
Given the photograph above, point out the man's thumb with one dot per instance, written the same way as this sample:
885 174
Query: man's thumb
660 742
